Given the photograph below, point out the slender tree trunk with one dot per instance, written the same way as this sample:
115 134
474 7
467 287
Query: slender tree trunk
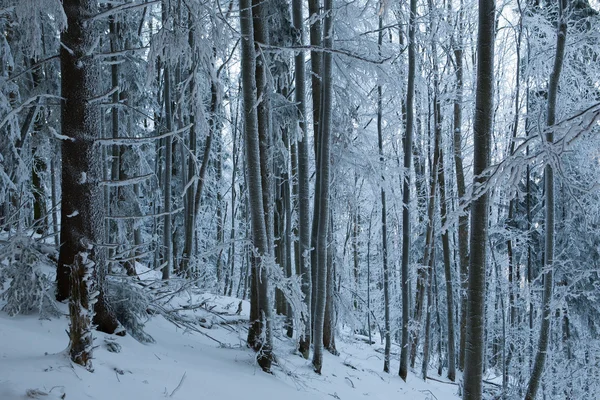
410 97
303 185
422 279
540 358
427 340
384 247
484 109
330 317
463 219
447 271
260 291
316 81
323 167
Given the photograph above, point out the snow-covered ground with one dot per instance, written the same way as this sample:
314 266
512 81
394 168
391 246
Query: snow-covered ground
189 365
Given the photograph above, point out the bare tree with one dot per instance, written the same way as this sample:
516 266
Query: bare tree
540 357
303 188
323 166
410 99
482 127
261 326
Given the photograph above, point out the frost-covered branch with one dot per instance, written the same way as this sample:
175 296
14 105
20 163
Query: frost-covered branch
141 140
126 182
132 5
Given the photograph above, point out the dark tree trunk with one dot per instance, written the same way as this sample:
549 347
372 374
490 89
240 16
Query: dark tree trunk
316 76
484 109
447 270
324 167
384 247
463 219
410 97
82 212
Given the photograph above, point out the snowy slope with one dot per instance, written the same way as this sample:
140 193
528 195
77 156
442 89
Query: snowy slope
188 365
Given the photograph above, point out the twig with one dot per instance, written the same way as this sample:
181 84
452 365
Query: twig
441 381
429 391
178 386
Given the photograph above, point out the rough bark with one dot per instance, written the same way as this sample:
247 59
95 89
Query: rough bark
82 211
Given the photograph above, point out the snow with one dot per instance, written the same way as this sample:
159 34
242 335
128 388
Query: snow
188 365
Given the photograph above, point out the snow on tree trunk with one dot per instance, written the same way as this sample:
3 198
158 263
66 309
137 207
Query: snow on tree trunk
82 207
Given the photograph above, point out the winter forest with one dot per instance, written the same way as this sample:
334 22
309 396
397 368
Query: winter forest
403 195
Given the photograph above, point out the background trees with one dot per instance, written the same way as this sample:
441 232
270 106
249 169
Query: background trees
194 138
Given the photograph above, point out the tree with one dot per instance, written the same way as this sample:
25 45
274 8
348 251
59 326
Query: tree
303 188
260 262
482 128
324 167
540 358
82 259
410 96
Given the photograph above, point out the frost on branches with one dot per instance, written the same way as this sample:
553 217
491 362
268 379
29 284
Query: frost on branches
28 288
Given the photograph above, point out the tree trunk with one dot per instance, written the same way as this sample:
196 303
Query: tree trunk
540 358
384 247
410 97
447 271
82 212
323 167
463 219
316 81
303 185
260 284
484 109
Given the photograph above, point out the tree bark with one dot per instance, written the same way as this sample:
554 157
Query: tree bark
316 77
410 95
484 109
323 166
447 271
303 185
463 219
260 284
82 211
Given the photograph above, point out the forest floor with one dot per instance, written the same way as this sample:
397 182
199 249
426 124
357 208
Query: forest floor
185 363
